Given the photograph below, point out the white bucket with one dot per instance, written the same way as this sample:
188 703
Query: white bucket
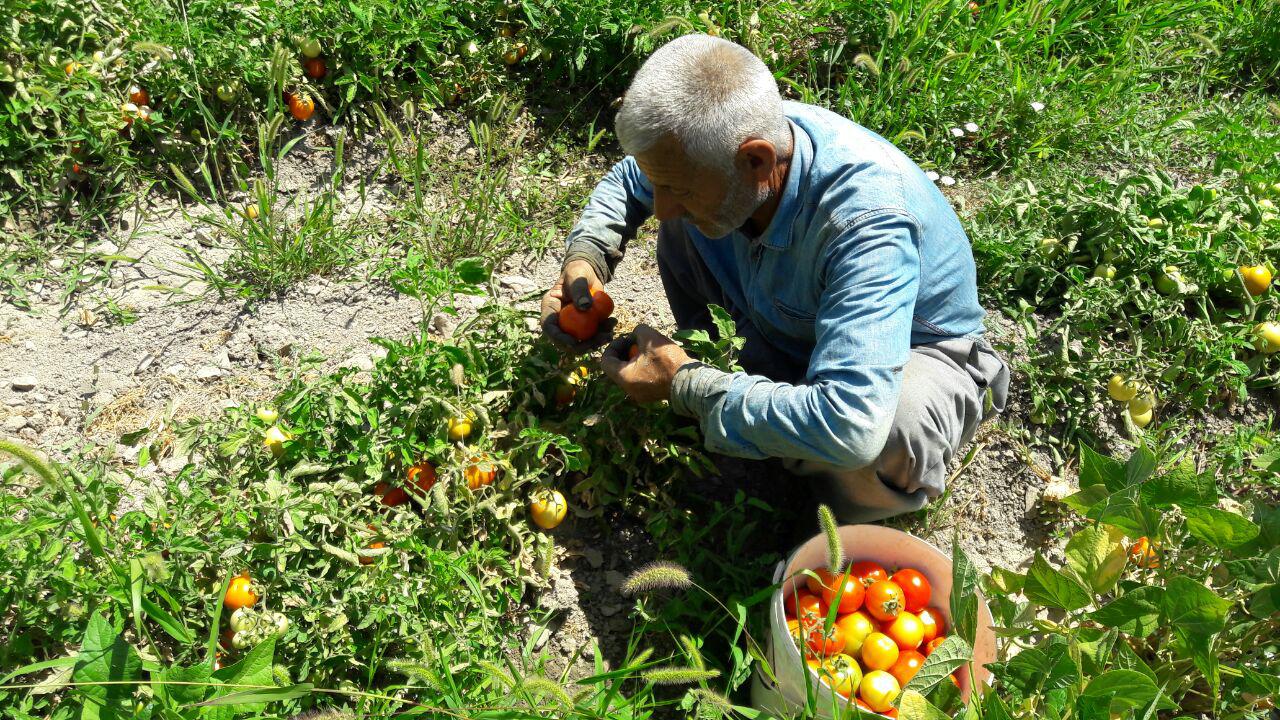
891 548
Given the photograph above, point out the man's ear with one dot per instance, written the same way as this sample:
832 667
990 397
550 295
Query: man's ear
758 158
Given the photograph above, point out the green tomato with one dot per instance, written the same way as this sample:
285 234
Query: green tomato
310 48
1266 204
226 92
1156 223
1142 402
241 640
242 619
1170 281
1106 271
1049 248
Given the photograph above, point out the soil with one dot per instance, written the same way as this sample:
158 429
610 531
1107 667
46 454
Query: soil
76 374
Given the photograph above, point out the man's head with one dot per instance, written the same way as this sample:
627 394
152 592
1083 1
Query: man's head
704 121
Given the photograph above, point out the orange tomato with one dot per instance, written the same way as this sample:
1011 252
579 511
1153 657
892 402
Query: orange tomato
1143 554
908 664
315 68
933 645
879 652
906 630
850 591
933 623
240 593
301 107
372 546
138 95
884 600
817 584
390 496
578 324
601 304
1257 278
824 641
421 475
479 473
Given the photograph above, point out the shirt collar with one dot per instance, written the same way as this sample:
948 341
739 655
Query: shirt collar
778 235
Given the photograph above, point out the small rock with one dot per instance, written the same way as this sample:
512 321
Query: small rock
37 422
146 362
610 610
589 650
14 423
39 398
594 557
14 402
23 383
615 579
1031 499
57 263
177 370
361 362
30 436
208 372
516 282
222 359
106 247
532 324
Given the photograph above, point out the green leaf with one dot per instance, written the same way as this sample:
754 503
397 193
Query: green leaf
1052 588
167 622
472 270
255 698
1127 689
1037 670
105 656
1140 466
1097 559
37 667
1180 486
944 660
1135 613
253 672
1098 469
1265 602
1086 498
177 693
1005 581
913 706
1218 527
995 708
964 593
1194 609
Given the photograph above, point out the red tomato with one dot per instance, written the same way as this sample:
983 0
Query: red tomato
825 578
933 645
906 630
915 588
577 324
931 619
909 662
825 641
884 600
850 592
868 572
601 304
804 606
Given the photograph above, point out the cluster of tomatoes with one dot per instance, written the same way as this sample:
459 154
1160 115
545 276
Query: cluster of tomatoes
247 626
884 629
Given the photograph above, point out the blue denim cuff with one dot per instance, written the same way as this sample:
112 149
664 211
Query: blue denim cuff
696 388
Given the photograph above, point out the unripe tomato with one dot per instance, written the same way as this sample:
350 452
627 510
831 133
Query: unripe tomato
1141 418
879 651
825 641
932 622
906 630
138 95
908 665
459 429
1266 337
1121 389
1050 248
884 600
915 588
1143 401
842 673
564 394
242 619
856 626
868 572
1257 278
548 509
578 324
310 48
847 590
226 92
879 689
515 53
241 593
274 440
267 415
1106 271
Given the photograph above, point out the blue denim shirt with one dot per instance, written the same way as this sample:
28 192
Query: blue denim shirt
863 259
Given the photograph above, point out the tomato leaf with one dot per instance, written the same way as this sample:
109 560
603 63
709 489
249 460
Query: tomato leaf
964 593
1053 588
951 654
913 706
1097 559
1135 613
105 656
1218 527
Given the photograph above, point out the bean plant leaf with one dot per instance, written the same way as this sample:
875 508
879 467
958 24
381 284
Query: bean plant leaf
1097 559
1125 689
1265 602
964 593
1037 670
944 660
1096 469
913 706
1140 466
1194 609
246 698
1135 613
170 685
105 656
1218 527
1053 588
995 708
1180 486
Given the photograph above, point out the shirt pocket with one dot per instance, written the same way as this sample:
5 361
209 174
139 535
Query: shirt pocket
795 322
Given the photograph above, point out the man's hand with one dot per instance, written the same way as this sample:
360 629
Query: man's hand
574 286
646 378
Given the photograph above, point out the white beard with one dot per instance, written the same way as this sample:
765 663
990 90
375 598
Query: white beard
742 200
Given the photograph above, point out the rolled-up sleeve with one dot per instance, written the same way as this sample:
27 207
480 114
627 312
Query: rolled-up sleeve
843 413
618 206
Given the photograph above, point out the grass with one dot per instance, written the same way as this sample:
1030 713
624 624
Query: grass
1094 119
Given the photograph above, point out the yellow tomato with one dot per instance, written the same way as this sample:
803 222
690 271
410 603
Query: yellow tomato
1257 278
267 415
1121 389
274 440
879 689
459 429
855 626
1141 418
1266 337
548 508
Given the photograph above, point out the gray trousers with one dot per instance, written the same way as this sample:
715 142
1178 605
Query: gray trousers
948 389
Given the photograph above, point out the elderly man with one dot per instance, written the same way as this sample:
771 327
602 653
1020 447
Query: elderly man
844 267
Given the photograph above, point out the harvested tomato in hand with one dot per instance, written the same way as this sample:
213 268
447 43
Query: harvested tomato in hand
601 304
879 652
868 572
906 630
915 589
578 324
846 590
909 662
884 600
931 620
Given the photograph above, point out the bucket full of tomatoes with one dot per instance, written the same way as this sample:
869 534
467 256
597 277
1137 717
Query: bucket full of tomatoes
893 600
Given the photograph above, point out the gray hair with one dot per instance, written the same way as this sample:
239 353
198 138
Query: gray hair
707 93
